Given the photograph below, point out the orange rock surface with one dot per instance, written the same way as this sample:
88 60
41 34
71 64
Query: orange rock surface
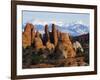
38 42
26 36
67 45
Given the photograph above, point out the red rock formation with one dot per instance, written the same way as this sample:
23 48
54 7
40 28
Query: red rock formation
27 35
68 48
49 45
47 41
54 35
33 34
38 42
58 34
46 36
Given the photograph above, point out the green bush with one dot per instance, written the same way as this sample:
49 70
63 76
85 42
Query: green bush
37 58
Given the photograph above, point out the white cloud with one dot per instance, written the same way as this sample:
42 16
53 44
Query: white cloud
40 22
60 23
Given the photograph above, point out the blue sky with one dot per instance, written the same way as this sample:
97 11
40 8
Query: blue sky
37 17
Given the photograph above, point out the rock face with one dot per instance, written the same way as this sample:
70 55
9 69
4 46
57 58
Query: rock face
58 34
49 45
54 35
33 33
46 36
38 42
27 35
68 47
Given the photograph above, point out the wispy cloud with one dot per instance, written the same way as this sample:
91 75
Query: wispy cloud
40 22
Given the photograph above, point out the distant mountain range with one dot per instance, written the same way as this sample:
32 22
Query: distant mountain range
72 29
75 29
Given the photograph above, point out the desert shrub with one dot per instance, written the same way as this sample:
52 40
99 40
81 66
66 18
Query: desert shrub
37 59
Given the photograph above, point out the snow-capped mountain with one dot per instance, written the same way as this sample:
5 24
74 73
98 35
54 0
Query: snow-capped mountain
76 29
